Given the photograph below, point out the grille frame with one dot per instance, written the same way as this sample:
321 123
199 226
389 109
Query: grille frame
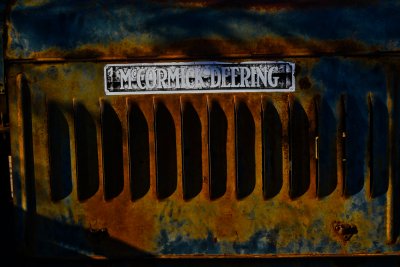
98 220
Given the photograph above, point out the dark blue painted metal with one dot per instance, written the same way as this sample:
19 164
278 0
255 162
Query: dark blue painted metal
58 28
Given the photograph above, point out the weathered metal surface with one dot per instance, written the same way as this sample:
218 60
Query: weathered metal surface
314 172
298 220
120 29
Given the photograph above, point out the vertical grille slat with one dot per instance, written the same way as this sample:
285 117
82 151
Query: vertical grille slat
342 135
112 151
139 152
378 145
28 165
272 150
87 167
327 151
393 194
356 126
245 150
166 156
317 133
191 151
299 153
217 141
59 152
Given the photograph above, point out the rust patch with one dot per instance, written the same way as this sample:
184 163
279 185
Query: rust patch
344 230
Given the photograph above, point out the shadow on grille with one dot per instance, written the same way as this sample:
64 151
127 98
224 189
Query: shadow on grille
217 137
395 158
166 163
299 153
350 130
355 131
29 164
60 153
112 151
191 152
86 152
327 154
272 150
139 153
378 146
245 151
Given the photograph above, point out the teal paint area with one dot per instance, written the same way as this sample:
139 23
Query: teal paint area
264 242
271 241
184 245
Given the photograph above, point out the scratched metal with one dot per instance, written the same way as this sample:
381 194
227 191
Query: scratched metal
338 192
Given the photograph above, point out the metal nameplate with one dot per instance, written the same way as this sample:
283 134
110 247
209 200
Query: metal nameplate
197 77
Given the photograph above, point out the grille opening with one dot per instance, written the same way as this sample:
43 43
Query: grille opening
378 146
355 141
29 164
299 153
342 138
139 152
271 150
165 140
327 151
86 152
6 191
112 151
317 142
59 152
394 215
245 151
191 151
217 138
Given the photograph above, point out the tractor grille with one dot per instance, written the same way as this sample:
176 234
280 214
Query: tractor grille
311 172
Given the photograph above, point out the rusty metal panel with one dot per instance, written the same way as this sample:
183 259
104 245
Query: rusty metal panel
329 188
308 173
